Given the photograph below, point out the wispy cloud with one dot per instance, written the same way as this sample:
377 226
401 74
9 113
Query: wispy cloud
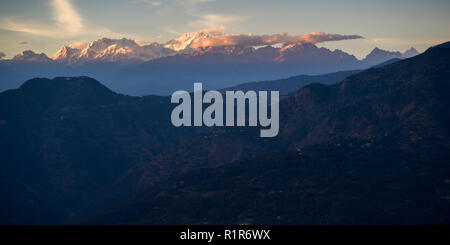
17 26
260 40
67 22
67 17
23 43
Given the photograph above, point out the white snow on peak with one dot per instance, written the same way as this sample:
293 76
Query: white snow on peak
106 49
183 42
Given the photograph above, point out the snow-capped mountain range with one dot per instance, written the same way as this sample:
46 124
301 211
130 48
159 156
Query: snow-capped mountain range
29 55
106 49
127 50
139 68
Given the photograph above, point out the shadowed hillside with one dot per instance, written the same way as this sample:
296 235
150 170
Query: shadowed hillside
70 147
62 140
370 150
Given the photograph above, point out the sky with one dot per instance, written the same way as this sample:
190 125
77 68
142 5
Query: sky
46 25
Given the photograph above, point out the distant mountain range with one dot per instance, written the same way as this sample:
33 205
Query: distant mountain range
292 84
139 68
126 50
118 50
378 56
372 149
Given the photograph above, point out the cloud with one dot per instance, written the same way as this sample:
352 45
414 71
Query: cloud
10 25
2 55
66 16
248 40
24 43
67 22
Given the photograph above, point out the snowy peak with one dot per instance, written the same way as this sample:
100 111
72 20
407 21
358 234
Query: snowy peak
410 53
106 49
376 52
184 41
66 53
297 47
31 56
105 43
308 52
378 56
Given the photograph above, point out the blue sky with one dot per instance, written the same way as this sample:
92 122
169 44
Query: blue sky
45 25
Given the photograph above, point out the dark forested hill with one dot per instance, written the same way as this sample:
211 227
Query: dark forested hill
63 139
407 99
350 182
370 150
70 146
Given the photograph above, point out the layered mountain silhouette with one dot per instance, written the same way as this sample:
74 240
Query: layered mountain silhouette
370 149
64 139
220 67
378 56
292 84
138 68
319 113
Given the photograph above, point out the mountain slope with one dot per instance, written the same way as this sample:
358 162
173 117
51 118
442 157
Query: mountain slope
405 99
394 99
378 56
185 40
400 108
292 84
62 140
221 67
346 183
69 145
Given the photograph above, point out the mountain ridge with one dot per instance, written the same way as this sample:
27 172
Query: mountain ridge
71 146
134 50
372 149
138 68
384 106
